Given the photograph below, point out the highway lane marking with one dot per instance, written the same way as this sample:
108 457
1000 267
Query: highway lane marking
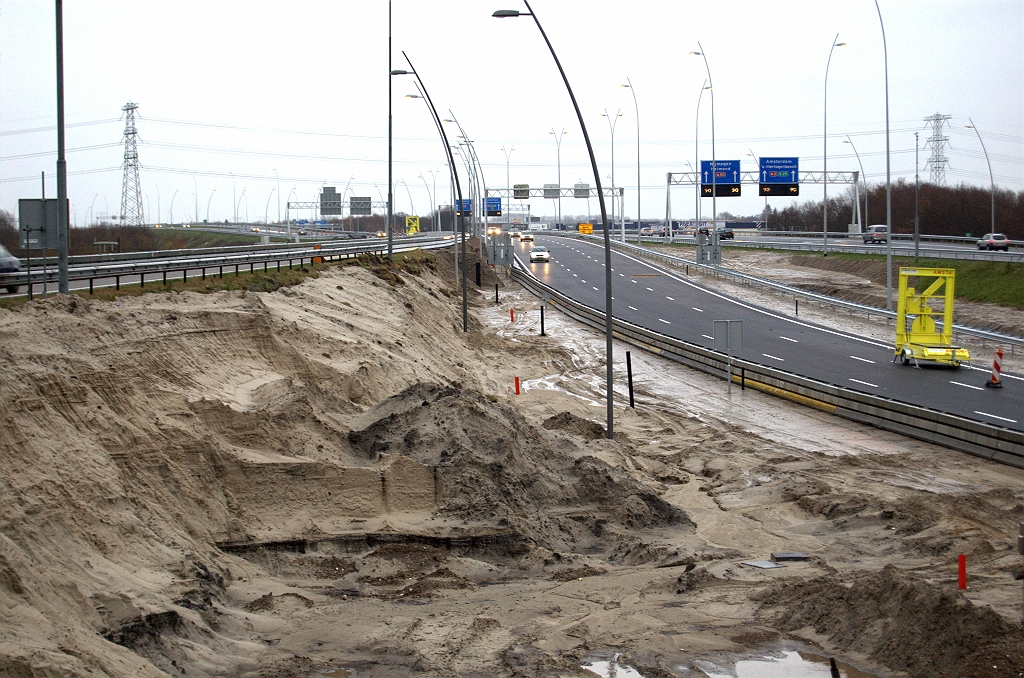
583 281
575 275
664 321
649 289
976 388
634 308
986 414
633 281
593 286
781 360
863 360
742 304
622 275
708 337
795 341
670 298
698 310
866 383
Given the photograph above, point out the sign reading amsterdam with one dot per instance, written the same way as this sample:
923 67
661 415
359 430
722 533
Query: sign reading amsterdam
779 176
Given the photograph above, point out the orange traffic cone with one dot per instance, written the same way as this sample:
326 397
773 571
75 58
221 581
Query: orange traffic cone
997 365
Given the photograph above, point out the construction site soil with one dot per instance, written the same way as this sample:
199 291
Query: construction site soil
332 479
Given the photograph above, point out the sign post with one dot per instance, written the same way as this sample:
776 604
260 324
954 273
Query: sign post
728 338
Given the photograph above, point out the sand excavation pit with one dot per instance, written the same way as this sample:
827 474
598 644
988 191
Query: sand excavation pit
332 479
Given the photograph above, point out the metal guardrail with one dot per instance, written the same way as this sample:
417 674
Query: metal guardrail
980 439
182 265
987 335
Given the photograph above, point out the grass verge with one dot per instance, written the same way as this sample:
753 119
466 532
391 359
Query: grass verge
410 263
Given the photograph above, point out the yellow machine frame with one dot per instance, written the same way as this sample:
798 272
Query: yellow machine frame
923 340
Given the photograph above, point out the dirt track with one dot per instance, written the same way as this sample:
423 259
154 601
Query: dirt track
332 476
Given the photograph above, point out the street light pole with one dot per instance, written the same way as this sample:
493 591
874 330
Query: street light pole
612 122
455 177
208 205
195 196
508 156
629 85
824 176
266 210
63 232
714 163
888 174
426 186
558 143
391 73
278 197
696 152
170 215
917 196
991 178
866 220
609 394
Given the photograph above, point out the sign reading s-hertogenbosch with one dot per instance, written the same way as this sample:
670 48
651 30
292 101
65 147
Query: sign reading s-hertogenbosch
779 176
779 170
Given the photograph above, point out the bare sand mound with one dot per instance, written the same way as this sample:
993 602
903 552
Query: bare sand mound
492 466
900 621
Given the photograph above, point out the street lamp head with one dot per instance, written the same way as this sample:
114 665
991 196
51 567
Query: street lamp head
626 86
697 53
506 13
839 44
399 71
413 96
968 126
708 87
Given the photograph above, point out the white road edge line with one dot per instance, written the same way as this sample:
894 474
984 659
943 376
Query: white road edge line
866 383
863 360
664 321
781 360
986 414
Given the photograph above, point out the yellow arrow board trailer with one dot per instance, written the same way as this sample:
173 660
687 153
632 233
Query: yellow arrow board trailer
918 336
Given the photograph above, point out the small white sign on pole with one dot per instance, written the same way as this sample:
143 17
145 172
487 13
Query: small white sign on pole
728 336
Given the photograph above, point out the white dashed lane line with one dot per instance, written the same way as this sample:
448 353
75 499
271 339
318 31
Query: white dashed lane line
976 388
698 310
670 298
781 360
649 289
708 337
866 383
863 360
595 289
986 414
633 308
664 321
795 341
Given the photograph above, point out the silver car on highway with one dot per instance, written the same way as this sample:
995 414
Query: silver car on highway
9 264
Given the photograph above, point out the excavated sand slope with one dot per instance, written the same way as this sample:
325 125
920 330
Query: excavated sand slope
334 476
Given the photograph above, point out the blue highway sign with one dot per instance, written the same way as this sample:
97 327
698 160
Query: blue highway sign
779 170
728 172
465 207
493 207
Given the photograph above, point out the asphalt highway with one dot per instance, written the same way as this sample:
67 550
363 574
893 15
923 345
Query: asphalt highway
676 305
855 245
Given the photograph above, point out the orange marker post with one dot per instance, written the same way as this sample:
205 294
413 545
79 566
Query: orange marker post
511 315
517 385
962 572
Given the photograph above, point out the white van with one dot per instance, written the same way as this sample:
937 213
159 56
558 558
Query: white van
878 233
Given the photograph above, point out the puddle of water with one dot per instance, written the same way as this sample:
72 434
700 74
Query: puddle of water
790 665
612 669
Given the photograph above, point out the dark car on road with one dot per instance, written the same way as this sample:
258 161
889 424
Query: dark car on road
726 233
9 264
994 241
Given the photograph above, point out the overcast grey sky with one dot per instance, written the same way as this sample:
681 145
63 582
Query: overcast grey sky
229 92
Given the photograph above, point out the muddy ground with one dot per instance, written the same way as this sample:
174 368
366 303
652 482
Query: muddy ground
332 477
